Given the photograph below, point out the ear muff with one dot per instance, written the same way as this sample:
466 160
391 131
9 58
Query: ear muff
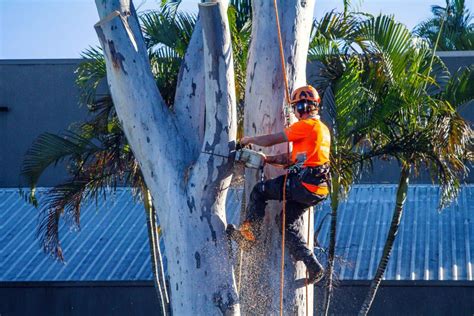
301 107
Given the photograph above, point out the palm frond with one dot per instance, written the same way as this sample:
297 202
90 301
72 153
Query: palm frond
382 35
168 28
90 74
165 63
50 149
460 88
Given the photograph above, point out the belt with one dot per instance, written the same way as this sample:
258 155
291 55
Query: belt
316 170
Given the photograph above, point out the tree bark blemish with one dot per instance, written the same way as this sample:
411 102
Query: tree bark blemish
100 34
218 97
222 305
193 86
197 256
191 204
117 58
252 74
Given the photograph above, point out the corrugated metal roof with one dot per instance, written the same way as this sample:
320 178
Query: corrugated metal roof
112 243
429 246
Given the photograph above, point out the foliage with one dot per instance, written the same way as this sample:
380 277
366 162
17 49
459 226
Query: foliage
387 100
388 96
456 24
240 22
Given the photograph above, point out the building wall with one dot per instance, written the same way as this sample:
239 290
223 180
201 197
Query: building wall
402 298
41 96
139 298
79 298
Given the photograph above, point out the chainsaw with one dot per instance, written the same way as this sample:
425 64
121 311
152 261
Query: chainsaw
250 158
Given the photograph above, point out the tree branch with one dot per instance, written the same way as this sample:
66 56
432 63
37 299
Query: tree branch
190 99
221 114
152 132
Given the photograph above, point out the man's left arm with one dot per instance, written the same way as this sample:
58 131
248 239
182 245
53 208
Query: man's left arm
264 140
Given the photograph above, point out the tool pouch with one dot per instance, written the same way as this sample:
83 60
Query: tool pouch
315 175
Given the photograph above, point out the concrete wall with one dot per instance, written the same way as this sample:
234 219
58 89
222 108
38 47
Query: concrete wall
139 298
402 298
78 298
41 96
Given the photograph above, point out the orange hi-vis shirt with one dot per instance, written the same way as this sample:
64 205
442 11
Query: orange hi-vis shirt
311 138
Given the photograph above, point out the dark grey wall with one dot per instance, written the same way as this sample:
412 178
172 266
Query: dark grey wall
403 298
83 298
138 298
41 97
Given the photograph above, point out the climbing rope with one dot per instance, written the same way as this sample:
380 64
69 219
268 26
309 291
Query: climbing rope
287 98
287 123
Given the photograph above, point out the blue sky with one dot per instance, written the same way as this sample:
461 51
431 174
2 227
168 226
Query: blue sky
64 28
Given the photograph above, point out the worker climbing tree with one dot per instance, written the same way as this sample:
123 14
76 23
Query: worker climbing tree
305 185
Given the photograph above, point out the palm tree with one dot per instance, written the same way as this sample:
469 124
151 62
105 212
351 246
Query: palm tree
424 129
454 24
346 97
387 101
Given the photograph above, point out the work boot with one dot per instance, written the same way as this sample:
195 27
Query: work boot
244 237
315 270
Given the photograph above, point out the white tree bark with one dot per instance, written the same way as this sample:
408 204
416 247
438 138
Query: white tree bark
190 93
189 197
264 114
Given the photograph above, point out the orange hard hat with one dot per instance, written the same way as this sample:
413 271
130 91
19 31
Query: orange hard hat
307 93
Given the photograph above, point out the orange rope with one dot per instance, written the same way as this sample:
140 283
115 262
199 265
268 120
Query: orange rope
287 97
283 222
282 54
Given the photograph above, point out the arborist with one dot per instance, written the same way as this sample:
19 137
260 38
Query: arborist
306 183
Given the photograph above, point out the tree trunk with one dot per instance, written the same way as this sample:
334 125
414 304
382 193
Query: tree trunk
264 113
190 185
180 151
332 246
392 234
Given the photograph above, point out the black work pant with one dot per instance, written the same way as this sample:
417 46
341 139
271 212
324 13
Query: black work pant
298 200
